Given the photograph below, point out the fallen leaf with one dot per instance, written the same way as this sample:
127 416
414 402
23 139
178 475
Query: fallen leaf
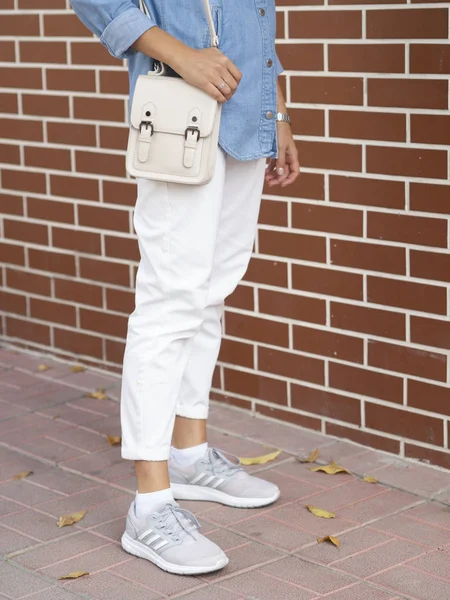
43 368
330 469
260 460
99 394
71 519
371 479
77 369
55 417
114 440
313 456
23 475
320 512
74 575
330 538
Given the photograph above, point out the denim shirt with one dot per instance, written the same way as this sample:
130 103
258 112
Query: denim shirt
246 31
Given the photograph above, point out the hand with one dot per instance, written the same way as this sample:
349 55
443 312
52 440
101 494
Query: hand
285 169
207 69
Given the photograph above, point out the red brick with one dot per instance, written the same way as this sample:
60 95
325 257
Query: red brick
102 322
24 180
28 282
404 424
9 154
19 25
407 229
67 25
11 205
371 192
45 105
369 257
243 297
43 52
426 396
366 58
120 301
25 77
74 187
7 52
327 90
77 240
363 437
236 353
27 330
410 162
430 332
330 155
100 163
326 404
76 80
50 210
367 125
114 351
430 265
8 103
104 109
48 158
13 303
119 247
269 272
78 343
366 382
292 306
34 4
307 121
274 212
328 343
407 294
294 366
325 24
408 93
72 134
307 185
256 329
81 293
115 192
292 245
430 129
403 359
87 53
52 261
327 281
407 24
381 323
289 417
325 218
12 253
21 129
105 271
53 312
428 455
115 138
301 57
256 386
114 82
101 217
429 58
26 232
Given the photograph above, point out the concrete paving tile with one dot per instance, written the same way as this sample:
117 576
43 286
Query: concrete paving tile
443 496
107 586
28 424
365 462
146 574
50 450
81 438
418 479
84 500
302 472
73 544
223 416
17 583
387 503
42 394
432 512
19 379
33 523
367 563
121 469
361 591
71 414
118 507
8 410
291 489
307 575
8 456
105 407
257 584
26 492
112 530
61 481
227 515
437 563
298 515
92 464
347 494
8 507
109 425
416 531
54 593
406 581
273 533
22 463
212 592
11 541
198 507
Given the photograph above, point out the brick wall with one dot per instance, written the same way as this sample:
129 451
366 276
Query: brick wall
342 322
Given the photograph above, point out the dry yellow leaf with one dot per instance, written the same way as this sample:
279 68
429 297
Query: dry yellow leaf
43 368
320 512
99 394
330 469
371 479
23 475
77 369
260 460
313 456
74 575
71 519
330 538
114 440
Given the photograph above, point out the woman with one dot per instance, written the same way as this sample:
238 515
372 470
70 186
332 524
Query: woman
195 244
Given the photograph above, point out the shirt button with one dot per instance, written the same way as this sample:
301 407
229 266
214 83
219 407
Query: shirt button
262 12
269 114
269 62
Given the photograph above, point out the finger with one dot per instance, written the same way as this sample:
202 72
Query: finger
223 89
271 165
235 73
281 163
294 172
230 81
212 90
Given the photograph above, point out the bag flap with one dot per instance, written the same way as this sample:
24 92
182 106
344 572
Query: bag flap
172 105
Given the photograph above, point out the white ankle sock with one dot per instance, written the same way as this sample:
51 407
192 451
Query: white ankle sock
148 503
188 456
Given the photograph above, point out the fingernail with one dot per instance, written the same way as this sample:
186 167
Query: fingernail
280 170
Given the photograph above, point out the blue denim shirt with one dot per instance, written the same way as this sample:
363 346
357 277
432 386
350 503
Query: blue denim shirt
246 31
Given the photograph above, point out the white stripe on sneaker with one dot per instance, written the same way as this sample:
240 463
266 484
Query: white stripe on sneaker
198 478
162 543
217 483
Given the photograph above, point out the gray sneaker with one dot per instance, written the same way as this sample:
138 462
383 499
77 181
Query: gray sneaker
217 479
169 539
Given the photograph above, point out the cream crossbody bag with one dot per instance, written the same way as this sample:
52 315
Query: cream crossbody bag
174 128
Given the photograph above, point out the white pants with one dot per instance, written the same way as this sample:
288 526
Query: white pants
195 244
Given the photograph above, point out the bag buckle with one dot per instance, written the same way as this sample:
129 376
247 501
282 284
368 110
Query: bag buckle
194 130
148 125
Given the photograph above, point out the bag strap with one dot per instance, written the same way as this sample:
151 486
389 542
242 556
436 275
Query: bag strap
209 18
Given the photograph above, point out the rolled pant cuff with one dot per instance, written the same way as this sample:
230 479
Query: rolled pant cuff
151 454
190 412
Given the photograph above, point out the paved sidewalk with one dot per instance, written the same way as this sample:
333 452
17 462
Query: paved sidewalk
395 535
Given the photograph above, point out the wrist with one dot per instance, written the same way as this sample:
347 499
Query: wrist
283 117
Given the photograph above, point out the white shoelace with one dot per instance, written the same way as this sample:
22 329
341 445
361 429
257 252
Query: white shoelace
176 521
220 464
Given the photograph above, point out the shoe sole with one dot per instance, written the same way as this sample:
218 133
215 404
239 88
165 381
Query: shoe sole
141 551
198 492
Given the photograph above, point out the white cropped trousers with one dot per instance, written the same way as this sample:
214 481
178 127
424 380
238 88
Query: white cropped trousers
195 244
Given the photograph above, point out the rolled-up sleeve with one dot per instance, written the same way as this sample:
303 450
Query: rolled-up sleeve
117 23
